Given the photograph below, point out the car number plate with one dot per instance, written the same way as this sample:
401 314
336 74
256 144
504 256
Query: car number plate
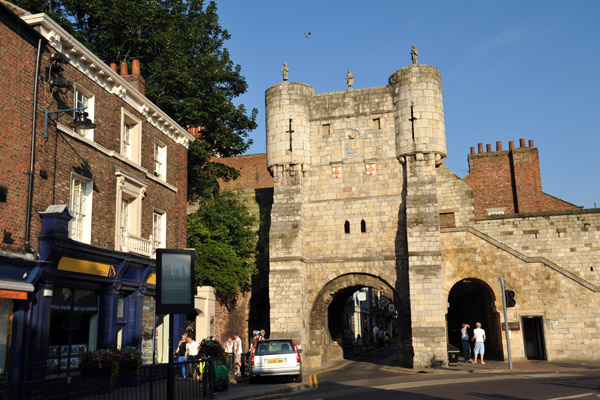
275 361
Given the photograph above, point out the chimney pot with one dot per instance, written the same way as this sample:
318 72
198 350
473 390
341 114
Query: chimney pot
531 143
488 148
480 147
135 67
511 145
498 146
521 142
113 66
124 68
472 149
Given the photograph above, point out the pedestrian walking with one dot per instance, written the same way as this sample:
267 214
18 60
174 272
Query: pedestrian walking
237 351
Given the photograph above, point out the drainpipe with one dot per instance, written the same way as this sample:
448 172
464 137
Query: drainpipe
28 247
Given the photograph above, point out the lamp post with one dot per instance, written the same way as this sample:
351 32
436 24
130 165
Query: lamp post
80 120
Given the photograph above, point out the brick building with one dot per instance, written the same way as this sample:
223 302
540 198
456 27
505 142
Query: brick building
82 209
361 198
509 181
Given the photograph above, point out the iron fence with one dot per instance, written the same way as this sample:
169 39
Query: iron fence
159 381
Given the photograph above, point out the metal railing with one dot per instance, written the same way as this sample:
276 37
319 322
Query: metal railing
151 382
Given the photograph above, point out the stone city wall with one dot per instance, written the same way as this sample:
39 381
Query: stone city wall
570 311
570 239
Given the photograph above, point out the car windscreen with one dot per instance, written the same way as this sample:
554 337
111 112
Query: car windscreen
274 347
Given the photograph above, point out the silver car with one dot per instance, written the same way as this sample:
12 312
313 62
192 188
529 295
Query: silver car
275 357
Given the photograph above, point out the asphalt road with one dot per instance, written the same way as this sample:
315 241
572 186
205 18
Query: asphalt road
369 379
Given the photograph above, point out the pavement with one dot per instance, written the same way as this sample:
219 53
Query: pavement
241 389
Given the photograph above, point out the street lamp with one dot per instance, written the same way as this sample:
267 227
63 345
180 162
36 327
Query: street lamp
80 120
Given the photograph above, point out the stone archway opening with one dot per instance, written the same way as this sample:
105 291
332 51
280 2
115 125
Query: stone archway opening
470 301
351 305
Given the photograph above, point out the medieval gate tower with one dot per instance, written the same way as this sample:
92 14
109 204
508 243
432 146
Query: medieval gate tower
355 204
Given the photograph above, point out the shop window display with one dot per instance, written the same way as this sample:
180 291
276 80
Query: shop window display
73 311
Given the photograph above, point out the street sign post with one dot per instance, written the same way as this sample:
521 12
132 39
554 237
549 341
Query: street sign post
174 293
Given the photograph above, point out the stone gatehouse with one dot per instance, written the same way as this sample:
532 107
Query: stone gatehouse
360 197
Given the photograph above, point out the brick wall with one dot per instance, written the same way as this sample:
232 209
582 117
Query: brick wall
65 153
17 74
253 172
509 181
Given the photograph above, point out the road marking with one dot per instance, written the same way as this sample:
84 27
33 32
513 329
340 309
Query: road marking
573 397
266 396
462 380
386 368
312 378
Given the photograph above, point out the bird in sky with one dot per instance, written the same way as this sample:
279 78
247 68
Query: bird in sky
307 35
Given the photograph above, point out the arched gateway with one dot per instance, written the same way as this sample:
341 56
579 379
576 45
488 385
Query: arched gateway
326 322
355 198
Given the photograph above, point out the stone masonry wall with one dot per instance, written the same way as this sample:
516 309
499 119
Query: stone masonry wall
454 196
569 310
427 303
570 239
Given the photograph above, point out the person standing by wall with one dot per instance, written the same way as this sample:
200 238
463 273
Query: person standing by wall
466 346
228 347
180 353
479 339
237 351
191 354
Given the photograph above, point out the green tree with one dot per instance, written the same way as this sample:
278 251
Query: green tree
222 232
188 71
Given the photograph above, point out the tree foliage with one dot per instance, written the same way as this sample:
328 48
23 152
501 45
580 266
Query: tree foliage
187 69
222 232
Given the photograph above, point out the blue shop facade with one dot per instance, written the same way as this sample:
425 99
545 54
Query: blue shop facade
84 298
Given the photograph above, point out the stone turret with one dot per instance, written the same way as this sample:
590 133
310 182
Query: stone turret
287 104
288 158
419 112
421 148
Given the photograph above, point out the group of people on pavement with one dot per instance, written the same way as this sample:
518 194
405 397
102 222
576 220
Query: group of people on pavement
479 339
234 349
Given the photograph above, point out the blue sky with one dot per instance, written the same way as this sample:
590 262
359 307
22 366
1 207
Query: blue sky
510 69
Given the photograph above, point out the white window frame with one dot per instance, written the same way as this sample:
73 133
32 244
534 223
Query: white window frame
85 98
159 229
131 141
160 160
80 208
131 190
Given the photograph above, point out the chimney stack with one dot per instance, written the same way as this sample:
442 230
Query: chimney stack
135 79
124 71
135 67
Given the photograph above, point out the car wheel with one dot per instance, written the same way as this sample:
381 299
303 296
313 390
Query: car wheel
298 378
253 379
